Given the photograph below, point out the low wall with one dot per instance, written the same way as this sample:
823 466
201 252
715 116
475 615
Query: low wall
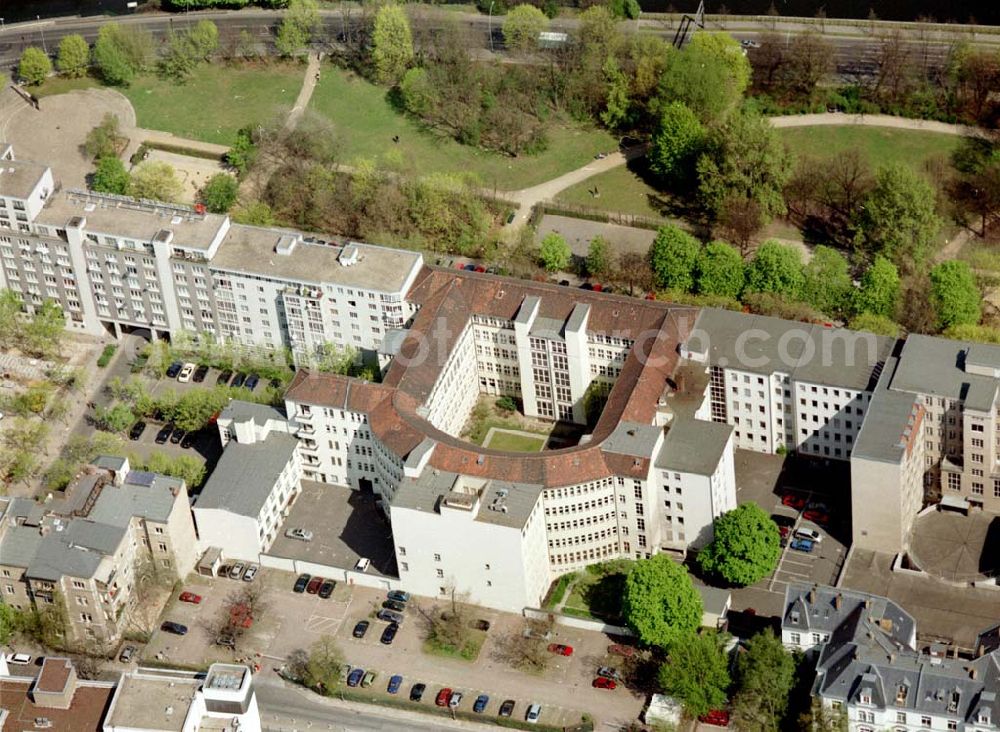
338 574
582 623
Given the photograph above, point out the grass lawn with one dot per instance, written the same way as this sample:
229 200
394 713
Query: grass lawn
621 189
515 443
61 85
880 145
367 123
468 652
217 101
597 591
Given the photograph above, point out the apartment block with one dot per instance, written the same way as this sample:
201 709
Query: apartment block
85 548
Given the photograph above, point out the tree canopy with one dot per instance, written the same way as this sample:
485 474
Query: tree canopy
660 603
828 285
35 65
74 56
121 52
746 546
599 263
776 268
955 294
300 24
676 144
110 176
706 77
219 193
521 27
765 675
878 294
719 270
672 256
553 252
155 180
392 44
696 672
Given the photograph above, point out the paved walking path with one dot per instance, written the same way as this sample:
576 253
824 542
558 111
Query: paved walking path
871 120
305 93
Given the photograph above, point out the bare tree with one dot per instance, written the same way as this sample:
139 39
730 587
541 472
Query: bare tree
633 272
740 220
525 647
809 60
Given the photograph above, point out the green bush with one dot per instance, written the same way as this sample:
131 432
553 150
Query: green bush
558 591
106 355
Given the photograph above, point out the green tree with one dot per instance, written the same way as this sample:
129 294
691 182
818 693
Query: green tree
719 270
255 213
110 176
616 105
417 91
179 59
35 65
392 44
725 50
744 160
300 25
624 8
955 294
10 318
776 268
696 672
554 253
746 546
676 144
672 257
155 180
897 218
828 285
43 336
121 52
765 675
204 39
116 418
599 257
243 153
105 139
659 602
322 668
878 294
877 324
219 193
74 56
521 27
707 78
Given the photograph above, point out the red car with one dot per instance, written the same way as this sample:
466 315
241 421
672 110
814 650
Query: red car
717 717
784 531
560 649
190 597
797 502
816 516
459 265
443 697
620 650
314 584
602 683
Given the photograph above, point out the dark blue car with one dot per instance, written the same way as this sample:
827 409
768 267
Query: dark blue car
802 545
394 683
480 706
354 678
252 381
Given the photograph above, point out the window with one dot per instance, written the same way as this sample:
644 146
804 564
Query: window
901 717
796 638
925 721
440 573
952 724
402 551
437 557
403 566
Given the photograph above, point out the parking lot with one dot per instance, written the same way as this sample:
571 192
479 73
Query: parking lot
345 524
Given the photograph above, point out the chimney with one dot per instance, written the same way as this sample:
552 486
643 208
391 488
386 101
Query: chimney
812 597
868 603
972 672
838 601
892 658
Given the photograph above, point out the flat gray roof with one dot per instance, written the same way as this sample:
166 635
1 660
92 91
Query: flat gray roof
77 550
808 352
131 220
250 249
693 446
18 178
633 439
239 410
889 421
20 546
936 366
246 474
152 499
427 492
144 702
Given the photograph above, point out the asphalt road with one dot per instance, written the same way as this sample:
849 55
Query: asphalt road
855 55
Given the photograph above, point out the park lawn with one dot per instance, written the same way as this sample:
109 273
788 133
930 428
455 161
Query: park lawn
515 443
621 190
367 123
61 85
880 145
217 101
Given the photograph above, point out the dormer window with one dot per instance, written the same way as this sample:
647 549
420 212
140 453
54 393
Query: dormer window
795 616
866 697
901 693
983 716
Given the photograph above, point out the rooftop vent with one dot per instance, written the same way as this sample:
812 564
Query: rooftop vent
286 245
176 220
90 207
349 255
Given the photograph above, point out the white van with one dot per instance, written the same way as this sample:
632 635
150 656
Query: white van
363 564
810 534
19 659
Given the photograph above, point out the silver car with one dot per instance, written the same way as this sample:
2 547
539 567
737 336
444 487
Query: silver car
236 571
301 534
251 572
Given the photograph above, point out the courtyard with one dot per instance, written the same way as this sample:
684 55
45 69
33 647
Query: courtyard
956 548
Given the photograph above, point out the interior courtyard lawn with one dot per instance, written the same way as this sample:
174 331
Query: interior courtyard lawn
880 145
514 442
367 123
217 101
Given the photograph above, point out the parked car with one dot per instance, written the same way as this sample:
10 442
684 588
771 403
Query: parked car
190 597
455 699
188 440
164 434
369 679
238 381
716 717
746 43
223 378
802 545
127 652
19 659
199 374
176 436
442 698
252 381
345 671
362 564
479 706
818 505
226 641
236 571
399 596
604 683
360 628
174 369
816 516
354 678
301 583
314 584
560 650
137 429
394 683
300 534
187 371
394 605
169 626
621 650
507 708
810 534
533 713
251 572
417 692
326 589
390 616
609 673
389 634
794 501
